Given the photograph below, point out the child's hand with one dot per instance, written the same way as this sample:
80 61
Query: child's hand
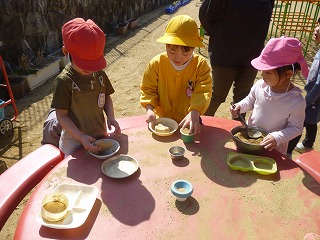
87 141
269 142
115 124
191 120
151 116
234 109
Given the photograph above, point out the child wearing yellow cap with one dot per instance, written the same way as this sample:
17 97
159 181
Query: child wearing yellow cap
177 83
82 90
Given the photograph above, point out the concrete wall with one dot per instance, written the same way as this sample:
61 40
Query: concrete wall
27 26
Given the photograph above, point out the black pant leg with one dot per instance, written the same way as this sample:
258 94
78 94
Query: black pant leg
293 143
311 134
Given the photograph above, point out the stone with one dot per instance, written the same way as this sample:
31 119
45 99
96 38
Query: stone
3 167
29 26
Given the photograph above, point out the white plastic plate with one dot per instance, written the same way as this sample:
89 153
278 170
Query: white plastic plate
81 198
120 166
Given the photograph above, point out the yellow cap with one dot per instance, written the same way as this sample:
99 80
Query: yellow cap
182 30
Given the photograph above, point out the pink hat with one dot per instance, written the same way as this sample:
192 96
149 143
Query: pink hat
85 42
280 52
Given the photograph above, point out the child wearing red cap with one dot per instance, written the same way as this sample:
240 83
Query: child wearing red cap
177 83
82 90
277 105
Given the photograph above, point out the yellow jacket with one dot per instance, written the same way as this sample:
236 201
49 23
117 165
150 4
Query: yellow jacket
173 93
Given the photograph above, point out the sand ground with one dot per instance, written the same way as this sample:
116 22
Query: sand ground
127 57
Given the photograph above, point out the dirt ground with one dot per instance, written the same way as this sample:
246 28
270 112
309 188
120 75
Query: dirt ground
127 57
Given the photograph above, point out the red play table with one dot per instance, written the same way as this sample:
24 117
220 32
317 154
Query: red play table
225 204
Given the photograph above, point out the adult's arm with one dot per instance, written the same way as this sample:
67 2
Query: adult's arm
272 3
209 12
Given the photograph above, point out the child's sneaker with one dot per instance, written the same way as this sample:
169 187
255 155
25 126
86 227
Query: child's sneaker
301 148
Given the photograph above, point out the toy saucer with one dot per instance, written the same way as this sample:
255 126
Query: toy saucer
120 166
104 154
181 189
170 123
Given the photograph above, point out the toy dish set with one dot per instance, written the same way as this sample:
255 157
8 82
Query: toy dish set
186 136
163 127
78 199
54 207
177 152
181 189
244 146
120 166
246 162
109 148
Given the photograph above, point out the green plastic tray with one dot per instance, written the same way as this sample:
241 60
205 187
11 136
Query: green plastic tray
247 162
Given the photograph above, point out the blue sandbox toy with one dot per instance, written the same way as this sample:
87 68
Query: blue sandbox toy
175 6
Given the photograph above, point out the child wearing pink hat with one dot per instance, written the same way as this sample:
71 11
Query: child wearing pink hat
82 90
277 105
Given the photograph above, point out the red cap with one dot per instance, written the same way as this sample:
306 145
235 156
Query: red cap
85 42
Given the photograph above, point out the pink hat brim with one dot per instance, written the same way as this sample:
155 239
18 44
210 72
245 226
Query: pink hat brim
258 64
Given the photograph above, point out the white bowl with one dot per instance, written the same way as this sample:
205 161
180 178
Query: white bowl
172 124
109 152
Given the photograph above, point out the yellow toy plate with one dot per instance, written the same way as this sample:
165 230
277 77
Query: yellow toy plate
247 162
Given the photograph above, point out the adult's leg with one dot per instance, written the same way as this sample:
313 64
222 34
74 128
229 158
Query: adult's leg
243 83
311 134
222 80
